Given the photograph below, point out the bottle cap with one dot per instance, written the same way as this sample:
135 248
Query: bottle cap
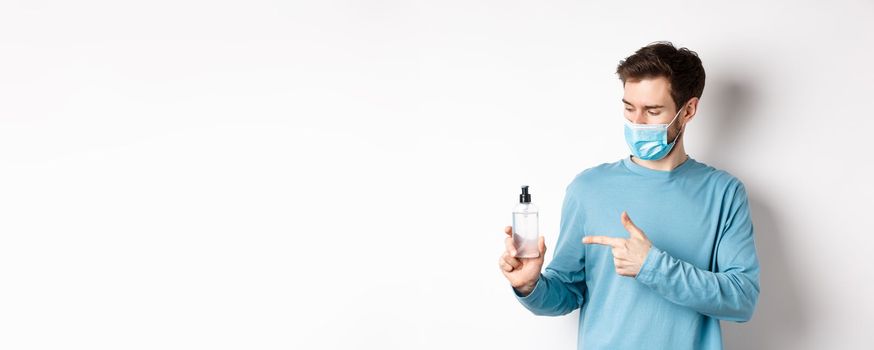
524 197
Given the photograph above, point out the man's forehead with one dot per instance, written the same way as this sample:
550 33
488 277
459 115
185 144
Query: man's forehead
647 92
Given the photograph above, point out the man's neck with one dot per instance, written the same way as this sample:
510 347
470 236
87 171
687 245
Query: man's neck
674 158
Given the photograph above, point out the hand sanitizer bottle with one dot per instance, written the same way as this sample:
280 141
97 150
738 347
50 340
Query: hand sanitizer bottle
525 232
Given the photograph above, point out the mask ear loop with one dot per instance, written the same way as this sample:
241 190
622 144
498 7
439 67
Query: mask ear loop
681 130
678 135
675 116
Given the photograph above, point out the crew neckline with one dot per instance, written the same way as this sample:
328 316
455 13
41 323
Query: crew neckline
642 170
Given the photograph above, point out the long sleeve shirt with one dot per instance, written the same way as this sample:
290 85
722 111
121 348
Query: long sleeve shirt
702 266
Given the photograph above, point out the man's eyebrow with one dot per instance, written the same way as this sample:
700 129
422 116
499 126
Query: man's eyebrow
644 107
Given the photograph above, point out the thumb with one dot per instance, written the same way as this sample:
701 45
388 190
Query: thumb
631 227
541 243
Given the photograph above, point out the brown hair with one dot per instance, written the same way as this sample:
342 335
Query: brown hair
681 67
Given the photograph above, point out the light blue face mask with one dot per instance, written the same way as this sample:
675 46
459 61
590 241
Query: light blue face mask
650 141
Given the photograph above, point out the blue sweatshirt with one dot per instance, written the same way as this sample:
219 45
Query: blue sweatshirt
702 266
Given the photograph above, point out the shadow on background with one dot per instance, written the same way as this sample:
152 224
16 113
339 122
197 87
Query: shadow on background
779 319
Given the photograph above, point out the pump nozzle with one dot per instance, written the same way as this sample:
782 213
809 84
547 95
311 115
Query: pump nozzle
524 197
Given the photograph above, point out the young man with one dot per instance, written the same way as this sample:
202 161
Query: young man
656 248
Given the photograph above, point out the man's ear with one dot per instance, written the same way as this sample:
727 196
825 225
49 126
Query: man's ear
691 109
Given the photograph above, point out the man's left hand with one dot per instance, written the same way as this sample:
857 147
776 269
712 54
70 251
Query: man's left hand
628 253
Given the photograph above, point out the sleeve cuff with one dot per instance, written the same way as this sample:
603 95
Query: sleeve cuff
535 294
647 274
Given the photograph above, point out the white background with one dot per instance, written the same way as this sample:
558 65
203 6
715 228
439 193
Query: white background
336 175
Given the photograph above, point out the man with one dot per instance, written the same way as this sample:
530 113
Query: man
656 248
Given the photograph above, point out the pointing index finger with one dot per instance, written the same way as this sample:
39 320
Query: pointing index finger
603 240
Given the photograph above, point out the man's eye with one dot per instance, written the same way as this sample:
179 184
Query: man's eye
654 113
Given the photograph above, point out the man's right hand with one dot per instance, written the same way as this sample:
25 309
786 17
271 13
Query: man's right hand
522 273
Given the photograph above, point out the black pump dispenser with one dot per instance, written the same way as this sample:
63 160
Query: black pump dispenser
525 197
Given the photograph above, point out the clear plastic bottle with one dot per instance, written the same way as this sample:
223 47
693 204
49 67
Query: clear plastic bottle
525 227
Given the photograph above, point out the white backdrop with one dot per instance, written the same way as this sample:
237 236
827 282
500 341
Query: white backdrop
337 174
